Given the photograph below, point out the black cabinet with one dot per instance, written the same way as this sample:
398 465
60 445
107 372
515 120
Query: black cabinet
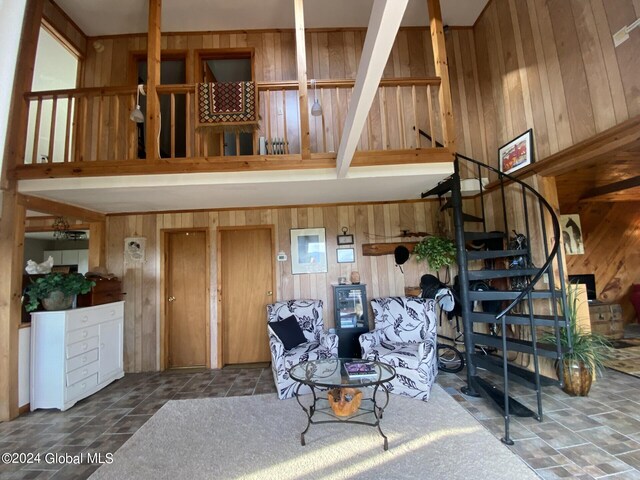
351 315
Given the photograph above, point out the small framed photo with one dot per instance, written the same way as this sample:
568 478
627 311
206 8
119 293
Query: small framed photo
516 154
346 255
572 234
345 238
308 250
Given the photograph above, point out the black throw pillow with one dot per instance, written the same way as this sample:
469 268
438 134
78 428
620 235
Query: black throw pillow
289 332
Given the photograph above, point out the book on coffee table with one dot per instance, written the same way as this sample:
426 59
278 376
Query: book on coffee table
360 369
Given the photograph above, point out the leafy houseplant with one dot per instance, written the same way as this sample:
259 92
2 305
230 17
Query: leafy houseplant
584 352
60 287
437 251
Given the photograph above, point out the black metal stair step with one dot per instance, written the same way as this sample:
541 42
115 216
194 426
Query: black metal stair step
440 189
495 395
516 373
471 218
469 236
508 294
487 254
515 345
518 319
513 272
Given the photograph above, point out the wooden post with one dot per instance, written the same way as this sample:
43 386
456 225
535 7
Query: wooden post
12 251
16 140
442 71
301 55
12 215
97 244
153 80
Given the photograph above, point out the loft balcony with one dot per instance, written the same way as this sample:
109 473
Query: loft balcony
88 131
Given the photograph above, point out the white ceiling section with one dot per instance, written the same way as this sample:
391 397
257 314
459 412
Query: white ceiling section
100 17
141 193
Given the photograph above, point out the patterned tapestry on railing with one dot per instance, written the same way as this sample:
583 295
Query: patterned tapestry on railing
228 106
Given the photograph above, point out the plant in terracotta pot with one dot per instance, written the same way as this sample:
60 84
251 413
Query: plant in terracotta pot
587 354
56 291
437 251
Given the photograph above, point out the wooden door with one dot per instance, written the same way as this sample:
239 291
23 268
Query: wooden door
187 299
247 285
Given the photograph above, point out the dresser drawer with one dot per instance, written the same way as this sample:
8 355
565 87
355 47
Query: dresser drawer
81 347
82 373
80 360
82 334
86 317
78 389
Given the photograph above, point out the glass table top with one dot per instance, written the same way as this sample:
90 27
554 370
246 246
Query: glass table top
331 373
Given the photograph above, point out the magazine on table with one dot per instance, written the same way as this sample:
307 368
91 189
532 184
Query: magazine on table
360 369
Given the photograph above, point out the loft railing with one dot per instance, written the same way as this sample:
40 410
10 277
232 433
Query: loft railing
92 124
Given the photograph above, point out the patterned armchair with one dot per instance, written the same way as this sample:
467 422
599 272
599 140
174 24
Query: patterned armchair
320 343
405 337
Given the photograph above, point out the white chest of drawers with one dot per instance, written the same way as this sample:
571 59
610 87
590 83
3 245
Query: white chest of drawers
75 353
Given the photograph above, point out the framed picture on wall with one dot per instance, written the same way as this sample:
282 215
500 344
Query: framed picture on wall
516 154
572 234
346 255
308 250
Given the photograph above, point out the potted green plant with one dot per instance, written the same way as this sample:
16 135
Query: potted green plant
586 354
437 251
56 291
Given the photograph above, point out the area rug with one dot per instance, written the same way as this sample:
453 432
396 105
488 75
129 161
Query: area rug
258 437
227 106
625 360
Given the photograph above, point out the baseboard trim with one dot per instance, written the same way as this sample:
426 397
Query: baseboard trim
24 409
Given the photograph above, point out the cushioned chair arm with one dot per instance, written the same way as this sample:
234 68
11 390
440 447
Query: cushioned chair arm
368 341
329 340
277 350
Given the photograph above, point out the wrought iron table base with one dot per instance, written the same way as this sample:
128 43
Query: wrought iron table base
377 411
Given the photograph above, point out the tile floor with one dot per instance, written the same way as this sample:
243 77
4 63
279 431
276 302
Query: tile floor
593 437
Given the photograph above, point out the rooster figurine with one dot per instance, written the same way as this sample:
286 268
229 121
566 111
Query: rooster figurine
44 267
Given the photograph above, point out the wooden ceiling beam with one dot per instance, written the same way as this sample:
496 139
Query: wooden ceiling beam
384 23
62 209
612 188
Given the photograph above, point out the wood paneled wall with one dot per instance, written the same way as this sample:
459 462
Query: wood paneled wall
331 54
549 65
611 234
372 223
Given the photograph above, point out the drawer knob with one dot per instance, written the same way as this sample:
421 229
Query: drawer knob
85 319
102 345
84 372
85 333
84 359
112 313
84 346
84 385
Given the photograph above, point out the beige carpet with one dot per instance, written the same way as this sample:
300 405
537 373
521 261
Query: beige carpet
626 360
258 437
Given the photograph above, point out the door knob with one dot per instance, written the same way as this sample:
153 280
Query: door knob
269 293
171 299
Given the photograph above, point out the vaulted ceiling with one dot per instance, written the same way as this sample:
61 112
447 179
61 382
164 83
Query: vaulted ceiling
100 17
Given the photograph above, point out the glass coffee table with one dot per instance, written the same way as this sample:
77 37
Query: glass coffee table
325 374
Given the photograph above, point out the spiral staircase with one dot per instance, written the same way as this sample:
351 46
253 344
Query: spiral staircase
531 299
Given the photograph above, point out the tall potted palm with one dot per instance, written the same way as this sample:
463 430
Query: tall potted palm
588 353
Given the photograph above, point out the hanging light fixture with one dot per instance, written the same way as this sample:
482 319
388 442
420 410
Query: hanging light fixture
60 228
316 109
136 114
